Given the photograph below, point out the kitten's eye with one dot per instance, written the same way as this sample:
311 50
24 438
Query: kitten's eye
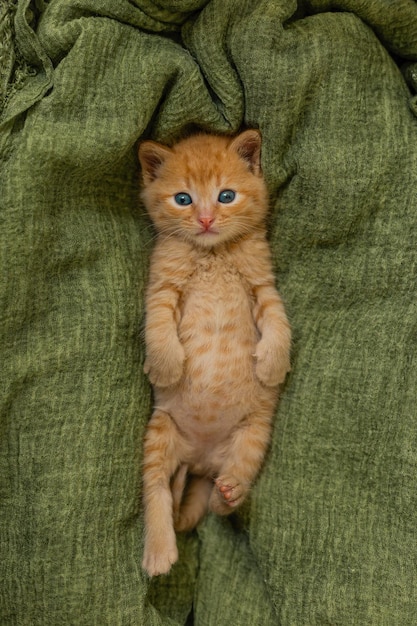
183 199
226 196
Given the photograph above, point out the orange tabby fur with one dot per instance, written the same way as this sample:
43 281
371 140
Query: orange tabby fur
217 337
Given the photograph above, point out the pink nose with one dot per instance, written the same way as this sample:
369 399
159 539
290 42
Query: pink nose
206 222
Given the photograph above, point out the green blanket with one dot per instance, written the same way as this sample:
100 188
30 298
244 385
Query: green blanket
329 536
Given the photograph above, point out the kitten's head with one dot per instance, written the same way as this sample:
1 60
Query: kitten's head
205 189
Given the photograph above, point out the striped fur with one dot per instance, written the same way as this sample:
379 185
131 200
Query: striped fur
217 336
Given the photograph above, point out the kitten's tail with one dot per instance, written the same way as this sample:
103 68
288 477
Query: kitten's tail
178 482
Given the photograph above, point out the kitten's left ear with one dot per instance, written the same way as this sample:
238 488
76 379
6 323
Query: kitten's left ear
151 156
248 147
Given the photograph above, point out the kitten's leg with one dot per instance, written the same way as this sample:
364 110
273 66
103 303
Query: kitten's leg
243 459
195 505
272 352
162 451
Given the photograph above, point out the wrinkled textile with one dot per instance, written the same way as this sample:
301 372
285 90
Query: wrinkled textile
329 535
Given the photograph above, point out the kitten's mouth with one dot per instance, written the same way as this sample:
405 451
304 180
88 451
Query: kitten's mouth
207 232
207 237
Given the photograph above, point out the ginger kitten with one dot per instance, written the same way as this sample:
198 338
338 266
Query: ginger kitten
217 337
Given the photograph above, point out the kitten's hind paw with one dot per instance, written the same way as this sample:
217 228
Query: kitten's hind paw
156 563
227 494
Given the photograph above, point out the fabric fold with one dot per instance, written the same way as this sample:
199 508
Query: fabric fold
35 78
327 536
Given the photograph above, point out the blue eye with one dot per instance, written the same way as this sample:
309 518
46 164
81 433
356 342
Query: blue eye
226 196
183 199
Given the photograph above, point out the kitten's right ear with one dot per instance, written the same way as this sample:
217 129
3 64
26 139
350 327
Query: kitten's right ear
151 156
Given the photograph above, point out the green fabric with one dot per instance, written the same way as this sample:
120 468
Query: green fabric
329 535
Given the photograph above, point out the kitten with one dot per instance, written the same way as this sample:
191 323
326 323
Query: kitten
217 337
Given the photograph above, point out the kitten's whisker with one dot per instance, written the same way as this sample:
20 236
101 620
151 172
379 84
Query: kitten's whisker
168 233
165 233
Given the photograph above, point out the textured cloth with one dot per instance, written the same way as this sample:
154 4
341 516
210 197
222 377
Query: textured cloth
329 535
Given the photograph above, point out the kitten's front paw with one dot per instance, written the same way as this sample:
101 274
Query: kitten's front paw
272 364
159 556
167 369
